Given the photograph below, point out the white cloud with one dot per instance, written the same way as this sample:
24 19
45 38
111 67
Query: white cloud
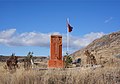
7 33
78 42
10 38
56 33
108 20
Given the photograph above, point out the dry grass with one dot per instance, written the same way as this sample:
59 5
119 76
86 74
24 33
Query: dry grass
105 75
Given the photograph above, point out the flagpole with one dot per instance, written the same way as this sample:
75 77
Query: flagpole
67 38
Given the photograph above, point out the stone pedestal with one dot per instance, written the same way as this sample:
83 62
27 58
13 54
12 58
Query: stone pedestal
55 52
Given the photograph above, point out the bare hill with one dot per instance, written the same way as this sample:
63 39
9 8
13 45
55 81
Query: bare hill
106 49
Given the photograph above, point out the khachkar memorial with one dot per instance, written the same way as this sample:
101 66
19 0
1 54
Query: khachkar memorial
55 52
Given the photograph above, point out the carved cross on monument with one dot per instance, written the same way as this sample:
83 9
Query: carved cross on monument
55 52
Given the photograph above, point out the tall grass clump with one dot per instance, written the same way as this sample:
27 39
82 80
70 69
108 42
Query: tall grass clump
105 75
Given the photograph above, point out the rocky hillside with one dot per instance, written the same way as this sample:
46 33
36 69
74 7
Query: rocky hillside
106 49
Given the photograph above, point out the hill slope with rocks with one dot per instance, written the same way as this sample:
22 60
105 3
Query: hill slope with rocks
106 49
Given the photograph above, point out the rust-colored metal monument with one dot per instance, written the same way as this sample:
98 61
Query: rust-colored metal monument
55 52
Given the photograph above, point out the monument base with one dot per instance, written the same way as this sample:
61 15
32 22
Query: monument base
55 64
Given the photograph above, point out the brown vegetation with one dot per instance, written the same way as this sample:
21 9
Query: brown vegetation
90 58
105 75
107 53
106 49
